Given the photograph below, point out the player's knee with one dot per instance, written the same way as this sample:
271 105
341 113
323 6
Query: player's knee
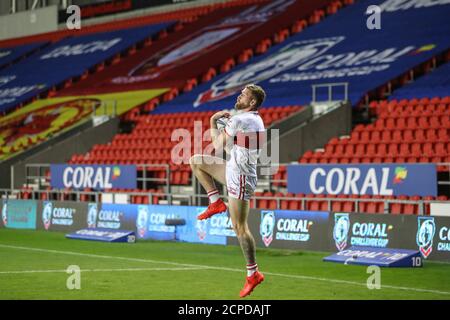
240 229
195 161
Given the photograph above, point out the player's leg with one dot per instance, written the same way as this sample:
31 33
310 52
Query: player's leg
239 208
207 168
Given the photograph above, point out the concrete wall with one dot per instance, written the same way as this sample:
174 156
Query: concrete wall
29 23
152 9
308 133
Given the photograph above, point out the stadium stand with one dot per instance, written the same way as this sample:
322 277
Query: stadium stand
204 49
11 55
73 74
140 140
74 59
432 85
407 131
69 58
331 52
150 142
185 15
411 127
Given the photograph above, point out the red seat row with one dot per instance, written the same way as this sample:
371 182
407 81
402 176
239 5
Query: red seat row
314 203
411 122
428 149
150 141
424 137
398 136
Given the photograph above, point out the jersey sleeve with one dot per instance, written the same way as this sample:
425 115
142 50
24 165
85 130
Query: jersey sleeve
232 127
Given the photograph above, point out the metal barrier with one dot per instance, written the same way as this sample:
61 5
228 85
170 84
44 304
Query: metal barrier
192 199
265 182
105 108
330 90
40 171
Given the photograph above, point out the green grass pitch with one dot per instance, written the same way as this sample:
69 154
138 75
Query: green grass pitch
33 265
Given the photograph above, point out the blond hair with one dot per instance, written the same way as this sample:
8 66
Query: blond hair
258 93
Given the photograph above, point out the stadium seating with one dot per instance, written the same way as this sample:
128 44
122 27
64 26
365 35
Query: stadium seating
411 129
70 58
185 73
434 83
20 131
406 131
69 85
184 15
12 55
72 82
343 203
150 142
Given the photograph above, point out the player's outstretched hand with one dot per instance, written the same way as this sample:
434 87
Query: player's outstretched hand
219 115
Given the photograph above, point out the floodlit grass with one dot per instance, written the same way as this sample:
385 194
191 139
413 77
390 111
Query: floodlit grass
33 265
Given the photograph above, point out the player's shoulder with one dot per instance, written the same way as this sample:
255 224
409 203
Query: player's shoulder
252 120
249 115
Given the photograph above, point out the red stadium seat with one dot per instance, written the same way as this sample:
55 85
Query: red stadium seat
348 206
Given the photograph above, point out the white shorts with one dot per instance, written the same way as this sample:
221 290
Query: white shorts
240 186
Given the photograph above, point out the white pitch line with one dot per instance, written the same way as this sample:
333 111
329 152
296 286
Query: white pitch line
100 270
292 276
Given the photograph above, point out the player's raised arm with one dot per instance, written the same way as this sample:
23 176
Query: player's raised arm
219 137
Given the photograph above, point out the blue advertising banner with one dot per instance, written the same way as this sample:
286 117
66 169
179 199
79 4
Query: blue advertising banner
214 230
8 55
151 220
372 179
67 58
19 214
96 177
341 48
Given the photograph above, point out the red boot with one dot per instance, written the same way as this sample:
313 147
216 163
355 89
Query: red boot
214 208
251 282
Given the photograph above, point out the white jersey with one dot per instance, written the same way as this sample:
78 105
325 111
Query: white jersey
243 160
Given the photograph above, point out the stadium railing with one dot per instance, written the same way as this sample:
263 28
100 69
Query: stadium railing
37 173
195 199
